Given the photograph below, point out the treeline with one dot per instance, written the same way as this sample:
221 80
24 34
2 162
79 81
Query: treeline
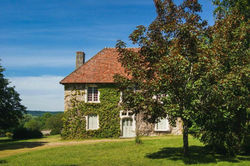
40 113
33 126
47 121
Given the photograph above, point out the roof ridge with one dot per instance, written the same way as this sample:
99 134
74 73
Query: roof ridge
82 65
77 73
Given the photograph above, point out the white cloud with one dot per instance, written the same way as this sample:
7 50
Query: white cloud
24 57
12 56
37 61
40 93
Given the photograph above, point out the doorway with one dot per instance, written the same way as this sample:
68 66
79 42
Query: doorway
127 127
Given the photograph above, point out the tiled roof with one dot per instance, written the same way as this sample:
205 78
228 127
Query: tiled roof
99 69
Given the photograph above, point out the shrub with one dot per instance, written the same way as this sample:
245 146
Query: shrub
55 123
138 140
24 133
33 124
2 133
55 131
245 147
9 134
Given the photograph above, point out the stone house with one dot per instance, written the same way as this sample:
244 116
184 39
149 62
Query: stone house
92 84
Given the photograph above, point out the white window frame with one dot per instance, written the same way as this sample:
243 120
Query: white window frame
87 122
86 92
167 127
120 101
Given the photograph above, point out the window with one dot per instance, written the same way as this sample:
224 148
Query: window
162 125
126 113
130 113
92 122
93 94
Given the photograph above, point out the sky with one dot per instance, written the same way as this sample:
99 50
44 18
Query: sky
39 38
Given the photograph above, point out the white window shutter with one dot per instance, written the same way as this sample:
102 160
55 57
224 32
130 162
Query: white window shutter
162 125
92 122
167 124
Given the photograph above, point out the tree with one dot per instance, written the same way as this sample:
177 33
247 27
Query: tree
55 123
224 114
33 124
225 7
11 109
169 65
42 119
25 118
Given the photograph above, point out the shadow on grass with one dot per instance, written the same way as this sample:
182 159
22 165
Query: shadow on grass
19 145
3 161
5 140
197 154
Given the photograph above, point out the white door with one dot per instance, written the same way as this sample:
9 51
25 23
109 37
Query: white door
127 127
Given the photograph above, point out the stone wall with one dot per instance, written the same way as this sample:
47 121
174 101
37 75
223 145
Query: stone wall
73 92
147 129
77 92
178 129
144 127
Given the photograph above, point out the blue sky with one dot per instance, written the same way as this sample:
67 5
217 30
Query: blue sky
39 38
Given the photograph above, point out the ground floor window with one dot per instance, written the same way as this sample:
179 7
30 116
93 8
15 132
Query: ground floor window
162 125
92 122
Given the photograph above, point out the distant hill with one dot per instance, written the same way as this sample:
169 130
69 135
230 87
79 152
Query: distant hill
40 113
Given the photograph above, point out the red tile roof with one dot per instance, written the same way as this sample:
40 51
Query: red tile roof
99 69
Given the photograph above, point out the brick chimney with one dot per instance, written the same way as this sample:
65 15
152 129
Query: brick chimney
80 59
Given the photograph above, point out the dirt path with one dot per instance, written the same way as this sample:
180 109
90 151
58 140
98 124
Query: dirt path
22 147
85 142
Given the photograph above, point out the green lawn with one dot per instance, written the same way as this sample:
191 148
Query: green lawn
160 151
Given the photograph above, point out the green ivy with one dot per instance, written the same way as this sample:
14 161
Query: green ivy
108 111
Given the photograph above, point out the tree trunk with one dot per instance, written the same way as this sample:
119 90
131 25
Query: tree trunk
137 130
185 138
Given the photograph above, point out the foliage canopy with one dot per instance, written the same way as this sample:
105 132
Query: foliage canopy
186 69
225 115
11 109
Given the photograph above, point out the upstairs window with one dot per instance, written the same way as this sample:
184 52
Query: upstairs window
93 95
162 125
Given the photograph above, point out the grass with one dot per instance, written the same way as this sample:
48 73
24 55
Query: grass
166 150
10 147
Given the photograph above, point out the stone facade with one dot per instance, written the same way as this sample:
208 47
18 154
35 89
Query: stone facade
148 129
177 130
73 92
78 92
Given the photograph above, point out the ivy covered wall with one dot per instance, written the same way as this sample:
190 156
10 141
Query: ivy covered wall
108 111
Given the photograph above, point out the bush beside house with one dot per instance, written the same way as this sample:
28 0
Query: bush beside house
24 133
